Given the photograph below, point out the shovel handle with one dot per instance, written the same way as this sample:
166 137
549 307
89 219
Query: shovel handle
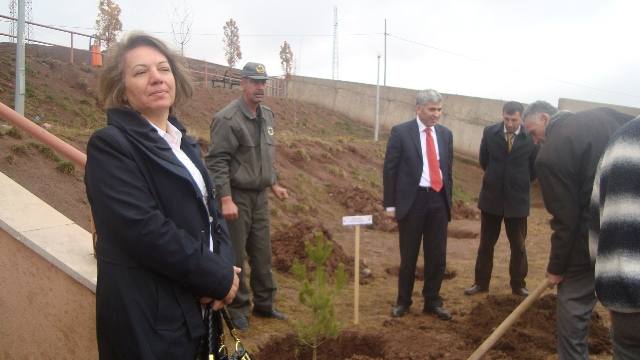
506 324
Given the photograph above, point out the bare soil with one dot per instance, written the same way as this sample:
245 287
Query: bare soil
332 169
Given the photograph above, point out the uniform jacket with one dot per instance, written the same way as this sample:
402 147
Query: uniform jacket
507 175
242 150
566 166
403 164
153 239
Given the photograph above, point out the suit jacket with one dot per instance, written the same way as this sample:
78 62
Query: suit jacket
566 166
403 166
507 175
153 239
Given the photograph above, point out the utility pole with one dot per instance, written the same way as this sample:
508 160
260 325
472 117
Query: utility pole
385 52
14 25
334 66
20 70
375 133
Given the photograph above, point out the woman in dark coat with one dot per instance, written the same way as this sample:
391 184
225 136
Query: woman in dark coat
163 247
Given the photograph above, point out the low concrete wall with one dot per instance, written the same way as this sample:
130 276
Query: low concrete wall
44 313
466 116
579 105
47 281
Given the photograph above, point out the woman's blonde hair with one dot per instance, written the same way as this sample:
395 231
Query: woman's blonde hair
112 78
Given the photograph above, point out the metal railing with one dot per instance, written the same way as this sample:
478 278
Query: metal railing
58 145
275 87
71 34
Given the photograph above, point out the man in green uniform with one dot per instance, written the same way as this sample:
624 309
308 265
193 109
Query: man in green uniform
241 161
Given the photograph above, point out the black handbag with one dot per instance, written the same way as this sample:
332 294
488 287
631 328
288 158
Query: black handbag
212 346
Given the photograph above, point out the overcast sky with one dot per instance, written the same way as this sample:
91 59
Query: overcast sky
510 50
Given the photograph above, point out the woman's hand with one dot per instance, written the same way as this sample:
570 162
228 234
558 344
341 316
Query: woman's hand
219 304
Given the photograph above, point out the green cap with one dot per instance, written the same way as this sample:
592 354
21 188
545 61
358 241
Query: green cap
254 71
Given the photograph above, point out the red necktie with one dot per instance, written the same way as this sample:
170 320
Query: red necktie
432 160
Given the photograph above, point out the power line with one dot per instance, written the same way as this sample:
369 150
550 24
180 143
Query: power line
470 58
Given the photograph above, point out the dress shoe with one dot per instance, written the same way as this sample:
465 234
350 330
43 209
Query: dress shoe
271 314
399 311
522 291
438 311
475 289
240 323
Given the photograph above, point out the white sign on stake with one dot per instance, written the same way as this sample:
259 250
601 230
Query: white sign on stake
357 220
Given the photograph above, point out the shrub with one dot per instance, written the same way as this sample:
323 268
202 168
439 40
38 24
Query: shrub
14 133
46 151
65 167
19 149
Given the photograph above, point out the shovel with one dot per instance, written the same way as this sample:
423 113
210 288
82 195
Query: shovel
506 324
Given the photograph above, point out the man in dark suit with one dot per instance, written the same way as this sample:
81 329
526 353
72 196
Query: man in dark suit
418 182
507 156
572 145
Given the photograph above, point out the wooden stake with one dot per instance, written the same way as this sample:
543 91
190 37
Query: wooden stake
356 276
506 324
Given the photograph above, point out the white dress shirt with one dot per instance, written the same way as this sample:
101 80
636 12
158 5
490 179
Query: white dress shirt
173 137
425 179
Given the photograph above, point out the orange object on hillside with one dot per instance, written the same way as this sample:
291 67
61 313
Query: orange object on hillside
96 55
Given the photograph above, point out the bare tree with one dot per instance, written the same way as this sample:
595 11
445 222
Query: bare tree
286 58
232 42
181 22
108 23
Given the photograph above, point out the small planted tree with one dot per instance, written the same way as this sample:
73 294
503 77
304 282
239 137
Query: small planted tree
232 43
318 291
286 58
108 23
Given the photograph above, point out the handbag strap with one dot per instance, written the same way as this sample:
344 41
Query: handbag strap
214 348
240 350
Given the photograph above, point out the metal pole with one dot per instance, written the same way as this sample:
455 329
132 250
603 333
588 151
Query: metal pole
20 67
375 134
206 77
385 52
71 55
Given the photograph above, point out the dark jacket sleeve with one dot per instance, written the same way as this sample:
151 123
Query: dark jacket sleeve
484 151
122 201
532 162
450 170
390 168
560 194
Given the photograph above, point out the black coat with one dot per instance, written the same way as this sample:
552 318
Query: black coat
566 166
507 175
403 166
153 238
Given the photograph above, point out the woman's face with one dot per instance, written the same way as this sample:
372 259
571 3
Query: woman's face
150 87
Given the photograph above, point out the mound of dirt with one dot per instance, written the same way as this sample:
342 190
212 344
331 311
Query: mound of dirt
362 201
448 273
349 345
288 244
534 335
462 210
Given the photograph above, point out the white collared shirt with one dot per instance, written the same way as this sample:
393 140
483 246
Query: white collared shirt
173 137
425 179
515 132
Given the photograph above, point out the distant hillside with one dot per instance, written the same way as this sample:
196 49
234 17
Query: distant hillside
328 161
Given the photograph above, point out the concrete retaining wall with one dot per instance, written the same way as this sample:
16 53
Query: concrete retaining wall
466 116
579 105
48 277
